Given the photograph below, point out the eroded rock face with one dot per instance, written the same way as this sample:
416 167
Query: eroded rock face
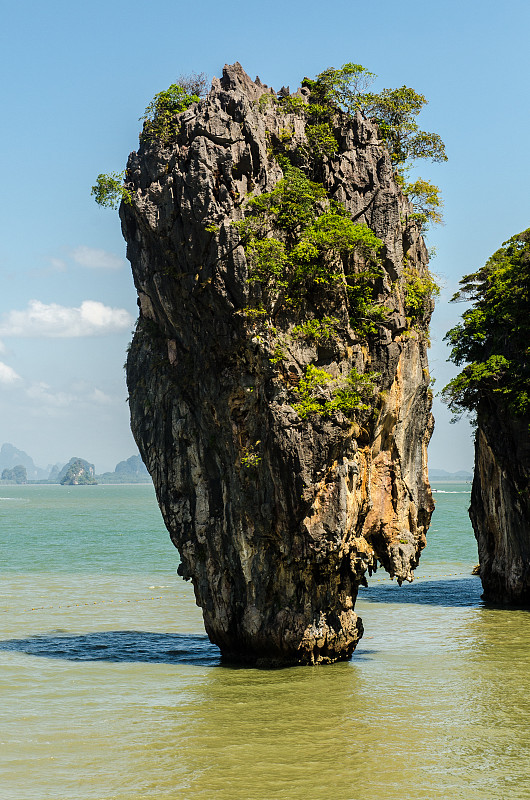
277 518
500 504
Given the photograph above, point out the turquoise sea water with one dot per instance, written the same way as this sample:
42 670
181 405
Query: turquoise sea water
111 691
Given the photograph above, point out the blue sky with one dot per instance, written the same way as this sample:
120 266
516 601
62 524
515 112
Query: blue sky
76 78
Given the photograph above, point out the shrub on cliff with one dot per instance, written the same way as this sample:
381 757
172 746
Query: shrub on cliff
160 116
318 392
395 112
494 334
295 238
109 190
160 122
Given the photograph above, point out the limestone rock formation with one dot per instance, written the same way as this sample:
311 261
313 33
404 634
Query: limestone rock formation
491 343
11 457
17 474
77 472
277 513
500 504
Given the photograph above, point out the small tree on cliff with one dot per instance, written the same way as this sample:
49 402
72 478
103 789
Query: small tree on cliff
109 190
395 112
159 123
160 115
493 337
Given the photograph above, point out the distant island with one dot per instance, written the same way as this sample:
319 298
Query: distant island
11 458
77 472
17 475
133 470
17 467
436 475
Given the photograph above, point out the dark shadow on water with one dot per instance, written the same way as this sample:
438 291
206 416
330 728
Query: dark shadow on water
135 647
121 646
457 593
196 650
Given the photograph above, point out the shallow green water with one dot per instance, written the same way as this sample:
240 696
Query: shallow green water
110 689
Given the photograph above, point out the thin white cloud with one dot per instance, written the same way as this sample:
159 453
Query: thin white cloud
100 398
2 347
8 376
47 400
93 258
91 318
58 265
44 395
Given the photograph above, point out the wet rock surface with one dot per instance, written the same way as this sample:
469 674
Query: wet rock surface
277 518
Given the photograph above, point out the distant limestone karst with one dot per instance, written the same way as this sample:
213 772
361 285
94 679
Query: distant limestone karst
77 472
17 466
17 474
132 470
11 457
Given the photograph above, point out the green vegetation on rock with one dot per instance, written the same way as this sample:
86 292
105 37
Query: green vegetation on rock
295 240
305 253
419 292
317 330
321 394
314 238
425 198
494 335
160 122
395 112
109 190
160 116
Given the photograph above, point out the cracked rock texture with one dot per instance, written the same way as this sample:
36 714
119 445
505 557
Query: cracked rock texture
276 518
500 504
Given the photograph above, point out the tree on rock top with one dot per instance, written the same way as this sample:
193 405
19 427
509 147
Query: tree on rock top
492 339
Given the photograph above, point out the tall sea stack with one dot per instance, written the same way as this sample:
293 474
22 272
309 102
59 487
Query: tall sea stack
278 377
492 340
500 503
